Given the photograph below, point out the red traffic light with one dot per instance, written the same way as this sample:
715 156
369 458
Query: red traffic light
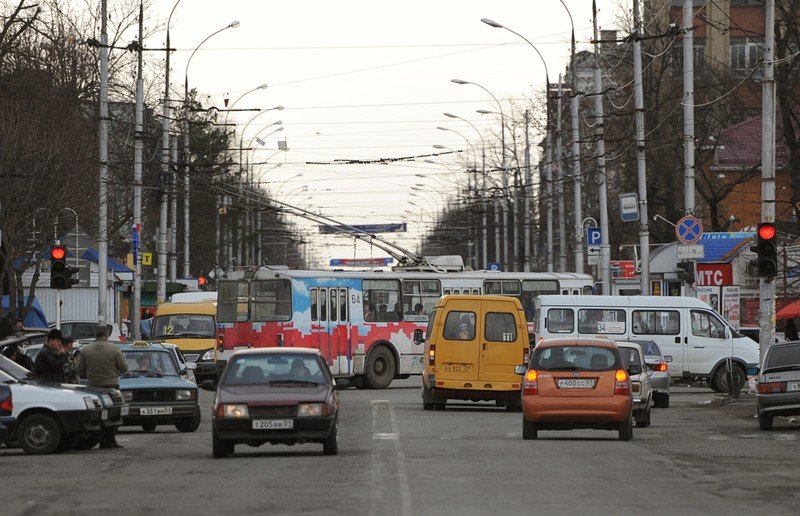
202 281
766 231
58 253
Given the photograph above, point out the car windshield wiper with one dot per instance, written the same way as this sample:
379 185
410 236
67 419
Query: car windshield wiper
303 382
794 367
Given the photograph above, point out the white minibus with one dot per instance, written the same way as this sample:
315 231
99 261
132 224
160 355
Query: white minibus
697 338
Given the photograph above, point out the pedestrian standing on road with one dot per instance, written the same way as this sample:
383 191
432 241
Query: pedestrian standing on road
49 365
790 332
71 367
101 363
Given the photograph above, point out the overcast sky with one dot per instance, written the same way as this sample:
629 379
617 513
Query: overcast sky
368 80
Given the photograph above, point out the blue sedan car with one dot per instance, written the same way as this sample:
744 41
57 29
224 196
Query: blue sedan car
154 390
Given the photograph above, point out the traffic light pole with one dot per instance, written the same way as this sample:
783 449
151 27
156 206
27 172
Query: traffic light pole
688 114
136 302
766 310
102 244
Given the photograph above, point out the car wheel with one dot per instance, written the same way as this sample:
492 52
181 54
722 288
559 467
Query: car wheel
439 406
764 422
626 430
529 430
149 427
220 447
87 443
643 421
380 368
427 406
331 444
188 425
39 434
722 378
661 400
513 406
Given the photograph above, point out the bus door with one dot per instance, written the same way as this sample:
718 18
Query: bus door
319 321
338 330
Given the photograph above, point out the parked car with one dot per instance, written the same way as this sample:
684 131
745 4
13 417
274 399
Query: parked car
632 355
778 384
85 330
111 399
658 365
6 409
577 383
472 345
49 418
276 396
700 341
24 341
155 391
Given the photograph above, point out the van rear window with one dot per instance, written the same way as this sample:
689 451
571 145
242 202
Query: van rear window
575 358
560 320
459 326
500 327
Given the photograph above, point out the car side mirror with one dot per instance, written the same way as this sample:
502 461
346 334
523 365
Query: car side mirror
752 371
668 358
191 366
727 333
341 383
520 369
207 385
419 337
633 370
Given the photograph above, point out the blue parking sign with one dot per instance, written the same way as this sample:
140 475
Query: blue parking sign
593 236
493 266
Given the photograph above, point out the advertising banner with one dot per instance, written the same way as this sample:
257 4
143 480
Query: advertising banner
730 306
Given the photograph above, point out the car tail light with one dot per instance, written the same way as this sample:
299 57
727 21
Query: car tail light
220 341
530 385
432 354
660 367
6 406
771 387
621 383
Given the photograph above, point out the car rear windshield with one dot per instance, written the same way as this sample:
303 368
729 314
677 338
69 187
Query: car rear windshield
275 368
649 347
783 356
575 358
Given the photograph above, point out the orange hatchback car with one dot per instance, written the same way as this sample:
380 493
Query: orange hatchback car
576 383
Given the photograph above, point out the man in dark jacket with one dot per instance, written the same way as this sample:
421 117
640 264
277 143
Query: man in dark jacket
16 355
49 365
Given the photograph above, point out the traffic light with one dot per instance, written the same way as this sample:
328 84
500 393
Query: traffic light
60 273
686 273
766 249
202 281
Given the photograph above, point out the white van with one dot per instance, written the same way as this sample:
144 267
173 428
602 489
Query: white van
699 340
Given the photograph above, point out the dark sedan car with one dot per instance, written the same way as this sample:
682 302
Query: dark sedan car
276 396
779 384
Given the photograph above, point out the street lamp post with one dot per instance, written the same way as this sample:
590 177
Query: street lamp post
506 232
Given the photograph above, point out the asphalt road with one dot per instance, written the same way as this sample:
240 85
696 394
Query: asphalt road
698 457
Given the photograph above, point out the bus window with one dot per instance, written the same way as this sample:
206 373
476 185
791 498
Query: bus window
232 302
334 304
447 292
323 304
270 300
419 298
476 292
384 298
314 305
343 304
505 288
531 289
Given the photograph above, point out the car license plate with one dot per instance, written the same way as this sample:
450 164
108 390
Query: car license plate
155 411
576 383
793 386
273 424
104 414
456 368
125 410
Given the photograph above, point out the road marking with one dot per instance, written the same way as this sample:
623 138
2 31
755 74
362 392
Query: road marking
377 463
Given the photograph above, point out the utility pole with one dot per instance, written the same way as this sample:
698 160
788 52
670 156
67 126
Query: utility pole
136 304
548 167
485 207
186 272
161 286
173 218
562 217
506 233
602 183
641 162
102 261
688 114
576 162
766 309
527 204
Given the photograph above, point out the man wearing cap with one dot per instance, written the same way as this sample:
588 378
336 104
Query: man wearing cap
49 365
101 363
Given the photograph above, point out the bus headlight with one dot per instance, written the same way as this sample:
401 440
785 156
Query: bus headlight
208 355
